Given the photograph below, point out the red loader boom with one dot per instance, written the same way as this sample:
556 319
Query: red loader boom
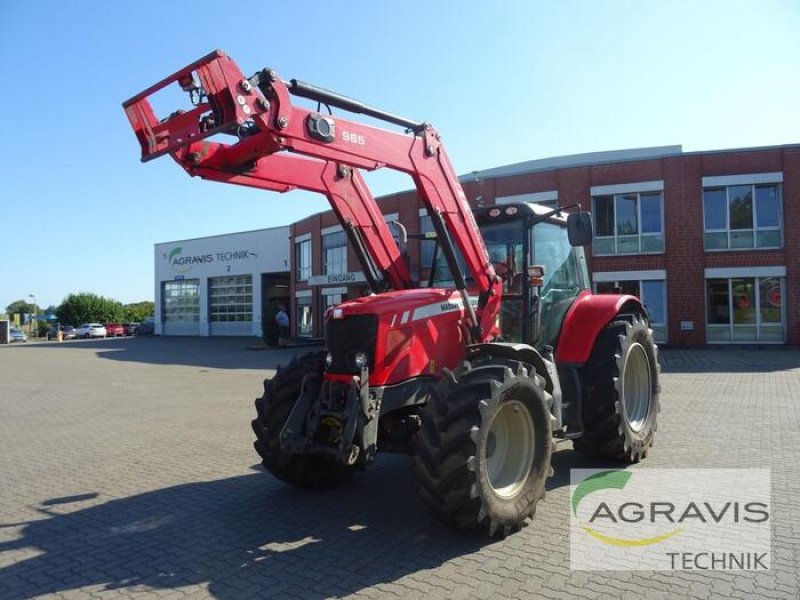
259 111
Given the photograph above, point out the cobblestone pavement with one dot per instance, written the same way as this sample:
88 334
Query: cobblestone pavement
126 469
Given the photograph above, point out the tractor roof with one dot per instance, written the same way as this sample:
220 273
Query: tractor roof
523 209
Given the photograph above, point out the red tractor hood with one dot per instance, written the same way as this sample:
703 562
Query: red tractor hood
407 305
418 332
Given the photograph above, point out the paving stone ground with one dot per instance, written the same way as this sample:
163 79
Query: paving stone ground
126 470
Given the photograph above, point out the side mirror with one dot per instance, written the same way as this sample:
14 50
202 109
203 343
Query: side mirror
579 229
536 275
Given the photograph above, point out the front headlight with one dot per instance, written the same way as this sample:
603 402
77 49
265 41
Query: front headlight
361 360
329 360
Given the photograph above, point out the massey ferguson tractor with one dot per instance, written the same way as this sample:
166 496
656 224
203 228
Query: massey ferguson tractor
473 372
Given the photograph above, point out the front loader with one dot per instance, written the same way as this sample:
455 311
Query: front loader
473 372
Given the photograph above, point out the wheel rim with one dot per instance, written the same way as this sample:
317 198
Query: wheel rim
509 449
637 391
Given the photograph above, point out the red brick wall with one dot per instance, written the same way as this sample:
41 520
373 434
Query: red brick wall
791 240
683 215
684 258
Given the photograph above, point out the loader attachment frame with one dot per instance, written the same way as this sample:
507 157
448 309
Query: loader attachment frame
271 132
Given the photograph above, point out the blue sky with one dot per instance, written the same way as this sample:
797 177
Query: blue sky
503 82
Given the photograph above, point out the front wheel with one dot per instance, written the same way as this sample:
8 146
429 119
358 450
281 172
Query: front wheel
483 452
273 409
621 392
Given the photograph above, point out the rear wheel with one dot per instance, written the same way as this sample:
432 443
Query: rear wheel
621 392
273 408
483 452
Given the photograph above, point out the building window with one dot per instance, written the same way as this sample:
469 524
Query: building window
181 301
745 309
303 260
652 293
742 216
334 253
426 246
631 223
303 317
329 300
230 298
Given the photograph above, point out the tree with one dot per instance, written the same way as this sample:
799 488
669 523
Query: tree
139 311
21 307
88 308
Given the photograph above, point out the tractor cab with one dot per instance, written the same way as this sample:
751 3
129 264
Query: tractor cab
520 237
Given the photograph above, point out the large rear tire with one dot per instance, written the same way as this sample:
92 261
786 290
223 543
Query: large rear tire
273 408
483 452
621 392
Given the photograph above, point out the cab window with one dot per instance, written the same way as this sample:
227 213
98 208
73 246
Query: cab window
562 276
505 244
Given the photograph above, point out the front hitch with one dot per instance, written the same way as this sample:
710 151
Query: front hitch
331 416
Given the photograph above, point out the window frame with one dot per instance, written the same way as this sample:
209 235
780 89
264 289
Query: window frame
758 324
616 196
756 229
301 302
303 271
326 301
341 257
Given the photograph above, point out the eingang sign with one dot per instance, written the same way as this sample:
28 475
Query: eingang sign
337 279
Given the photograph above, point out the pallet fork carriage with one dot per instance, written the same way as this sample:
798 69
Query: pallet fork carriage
474 374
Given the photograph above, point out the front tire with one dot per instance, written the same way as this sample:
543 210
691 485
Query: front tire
273 409
483 452
621 392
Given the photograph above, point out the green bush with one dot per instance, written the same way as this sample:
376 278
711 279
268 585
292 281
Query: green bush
89 308
139 311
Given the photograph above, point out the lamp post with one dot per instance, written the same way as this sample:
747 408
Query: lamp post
35 322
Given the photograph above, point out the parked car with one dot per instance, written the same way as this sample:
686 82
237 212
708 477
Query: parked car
115 329
17 335
130 328
146 327
67 332
91 330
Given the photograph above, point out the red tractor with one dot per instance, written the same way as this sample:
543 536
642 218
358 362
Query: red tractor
474 372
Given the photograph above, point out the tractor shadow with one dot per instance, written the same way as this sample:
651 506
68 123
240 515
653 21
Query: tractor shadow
566 458
203 352
242 536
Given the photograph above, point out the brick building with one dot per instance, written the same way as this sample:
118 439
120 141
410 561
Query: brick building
709 240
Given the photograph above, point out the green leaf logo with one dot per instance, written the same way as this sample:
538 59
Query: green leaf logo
599 481
184 266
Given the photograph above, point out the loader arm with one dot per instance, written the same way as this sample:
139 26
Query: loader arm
260 112
346 191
